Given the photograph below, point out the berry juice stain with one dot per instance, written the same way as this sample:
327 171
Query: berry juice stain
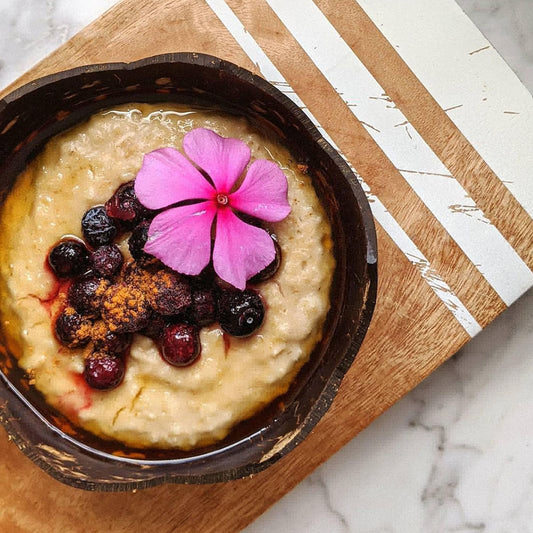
76 400
58 291
227 342
84 390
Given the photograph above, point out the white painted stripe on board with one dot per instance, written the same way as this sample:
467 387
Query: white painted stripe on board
468 78
384 218
444 196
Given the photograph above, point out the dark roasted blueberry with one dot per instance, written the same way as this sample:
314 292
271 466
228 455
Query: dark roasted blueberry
270 269
68 259
72 329
169 293
125 308
240 313
85 295
125 206
203 309
97 227
107 260
180 345
155 327
103 371
133 274
136 243
109 342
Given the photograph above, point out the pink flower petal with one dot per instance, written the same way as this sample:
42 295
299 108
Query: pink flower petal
241 250
224 159
181 237
263 193
167 177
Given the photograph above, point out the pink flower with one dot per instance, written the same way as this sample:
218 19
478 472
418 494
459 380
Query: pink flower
180 236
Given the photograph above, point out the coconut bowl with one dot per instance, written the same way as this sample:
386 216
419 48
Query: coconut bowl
34 113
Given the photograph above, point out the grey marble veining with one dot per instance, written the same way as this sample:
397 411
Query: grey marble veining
31 29
455 455
508 24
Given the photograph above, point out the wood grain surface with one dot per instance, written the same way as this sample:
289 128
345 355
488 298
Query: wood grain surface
412 332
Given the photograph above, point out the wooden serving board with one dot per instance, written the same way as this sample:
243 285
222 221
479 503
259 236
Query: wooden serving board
431 118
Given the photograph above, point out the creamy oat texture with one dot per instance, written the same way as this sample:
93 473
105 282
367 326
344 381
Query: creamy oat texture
157 405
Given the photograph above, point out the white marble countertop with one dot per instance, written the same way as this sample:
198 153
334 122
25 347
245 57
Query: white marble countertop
456 454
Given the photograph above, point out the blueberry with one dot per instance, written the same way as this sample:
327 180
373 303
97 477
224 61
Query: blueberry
72 329
86 295
180 344
125 309
206 278
107 260
169 293
203 311
155 327
222 285
136 243
107 341
125 206
103 371
250 219
68 259
97 227
270 269
136 276
240 313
